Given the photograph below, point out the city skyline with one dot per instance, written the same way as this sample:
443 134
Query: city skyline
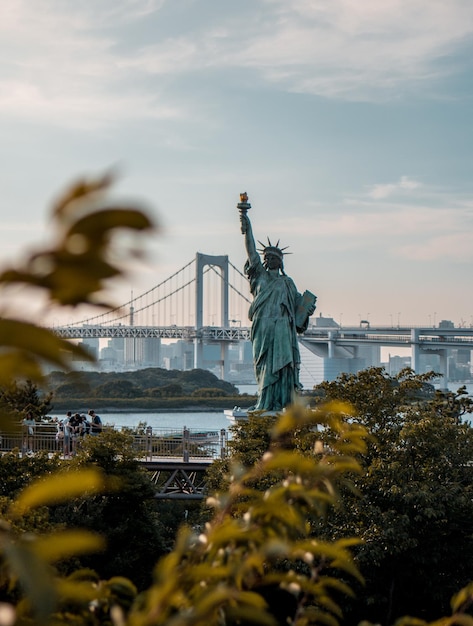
348 124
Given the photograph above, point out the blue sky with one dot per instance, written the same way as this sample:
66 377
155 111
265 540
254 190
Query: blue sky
348 123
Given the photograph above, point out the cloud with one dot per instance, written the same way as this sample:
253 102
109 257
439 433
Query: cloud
71 64
385 190
438 230
362 50
60 64
448 247
79 106
359 50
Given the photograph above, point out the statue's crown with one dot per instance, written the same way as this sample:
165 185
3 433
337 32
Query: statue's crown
270 249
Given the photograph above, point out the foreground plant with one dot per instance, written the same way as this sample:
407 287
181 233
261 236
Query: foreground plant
74 269
256 561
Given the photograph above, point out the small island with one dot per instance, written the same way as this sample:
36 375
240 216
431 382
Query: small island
152 389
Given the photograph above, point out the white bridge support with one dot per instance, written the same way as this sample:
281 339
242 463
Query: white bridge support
331 344
203 260
416 350
443 368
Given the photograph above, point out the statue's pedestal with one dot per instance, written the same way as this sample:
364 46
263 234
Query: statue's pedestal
237 414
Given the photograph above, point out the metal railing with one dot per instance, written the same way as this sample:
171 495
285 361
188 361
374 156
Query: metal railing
149 444
187 444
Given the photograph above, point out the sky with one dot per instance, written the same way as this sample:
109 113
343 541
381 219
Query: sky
349 125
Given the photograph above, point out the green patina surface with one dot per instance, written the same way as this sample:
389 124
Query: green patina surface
278 312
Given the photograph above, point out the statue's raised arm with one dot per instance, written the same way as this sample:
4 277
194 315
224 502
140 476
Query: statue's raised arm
250 244
246 228
278 312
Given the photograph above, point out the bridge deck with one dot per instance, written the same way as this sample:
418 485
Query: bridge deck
201 446
177 465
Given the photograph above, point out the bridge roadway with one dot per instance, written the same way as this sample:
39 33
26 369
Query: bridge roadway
406 336
189 333
420 339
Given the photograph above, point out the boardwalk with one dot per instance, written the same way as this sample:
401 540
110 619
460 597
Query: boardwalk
150 444
177 460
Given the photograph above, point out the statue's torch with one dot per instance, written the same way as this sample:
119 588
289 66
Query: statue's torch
243 207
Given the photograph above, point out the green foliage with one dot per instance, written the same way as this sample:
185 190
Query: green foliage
78 389
17 472
172 390
118 389
27 561
148 403
415 511
175 387
19 398
73 270
208 392
26 347
125 515
259 542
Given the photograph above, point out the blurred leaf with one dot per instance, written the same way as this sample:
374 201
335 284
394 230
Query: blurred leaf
67 543
96 227
75 269
35 578
463 598
31 347
58 488
82 591
81 190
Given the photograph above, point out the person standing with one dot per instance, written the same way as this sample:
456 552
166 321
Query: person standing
278 312
95 423
67 439
29 427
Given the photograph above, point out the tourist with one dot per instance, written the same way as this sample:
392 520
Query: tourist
67 429
29 427
95 423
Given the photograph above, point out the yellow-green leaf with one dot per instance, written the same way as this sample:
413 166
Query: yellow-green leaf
65 544
58 488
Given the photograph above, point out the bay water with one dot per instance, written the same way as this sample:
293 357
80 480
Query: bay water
175 420
194 420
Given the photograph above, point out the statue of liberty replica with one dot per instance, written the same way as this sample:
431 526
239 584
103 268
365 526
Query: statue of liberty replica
278 312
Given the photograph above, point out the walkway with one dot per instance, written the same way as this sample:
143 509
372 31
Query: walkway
150 444
177 460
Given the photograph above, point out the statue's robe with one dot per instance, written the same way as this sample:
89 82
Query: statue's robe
274 336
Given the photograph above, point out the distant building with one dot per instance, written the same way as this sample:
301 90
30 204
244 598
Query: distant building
91 345
397 363
320 362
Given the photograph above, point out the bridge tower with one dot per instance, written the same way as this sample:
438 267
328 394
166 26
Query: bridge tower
202 260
